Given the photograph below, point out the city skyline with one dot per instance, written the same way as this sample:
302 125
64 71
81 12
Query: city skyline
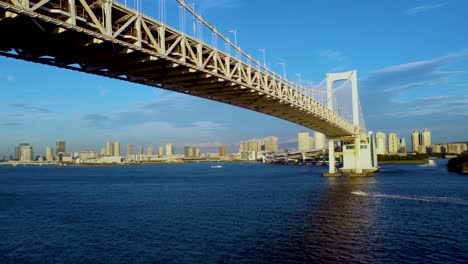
420 86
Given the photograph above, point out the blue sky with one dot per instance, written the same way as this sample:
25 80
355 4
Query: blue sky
411 57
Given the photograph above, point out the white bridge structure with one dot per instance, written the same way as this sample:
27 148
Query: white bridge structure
108 38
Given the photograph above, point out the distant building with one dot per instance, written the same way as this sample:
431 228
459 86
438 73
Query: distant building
212 155
381 143
303 141
425 139
150 151
161 152
87 155
197 152
116 149
129 149
103 151
248 155
169 150
270 144
393 144
140 150
402 147
66 156
109 148
60 147
415 140
49 154
26 152
320 141
18 150
188 151
223 151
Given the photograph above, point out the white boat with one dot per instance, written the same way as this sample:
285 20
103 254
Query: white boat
216 166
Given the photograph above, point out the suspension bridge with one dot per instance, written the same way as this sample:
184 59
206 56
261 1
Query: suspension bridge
108 38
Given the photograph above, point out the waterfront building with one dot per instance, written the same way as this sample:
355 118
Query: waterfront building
188 151
161 152
103 151
415 140
150 151
197 152
26 152
116 149
402 147
436 148
18 150
223 151
320 141
393 144
270 144
60 147
129 149
140 150
109 149
49 154
425 139
303 141
169 150
87 155
212 155
381 143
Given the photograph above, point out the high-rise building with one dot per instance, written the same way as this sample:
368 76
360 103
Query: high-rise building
18 150
150 151
415 141
109 148
49 154
188 151
270 144
425 139
116 149
129 149
320 141
402 147
140 150
393 144
161 152
25 152
103 152
60 147
303 141
222 151
169 150
197 152
381 143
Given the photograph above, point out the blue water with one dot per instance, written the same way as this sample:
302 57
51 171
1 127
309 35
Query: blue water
242 213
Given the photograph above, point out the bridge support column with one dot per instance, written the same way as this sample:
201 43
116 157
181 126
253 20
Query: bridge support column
331 156
357 153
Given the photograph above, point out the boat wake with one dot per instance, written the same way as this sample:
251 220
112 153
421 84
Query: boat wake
436 199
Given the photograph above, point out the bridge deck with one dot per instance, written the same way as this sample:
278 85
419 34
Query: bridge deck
114 41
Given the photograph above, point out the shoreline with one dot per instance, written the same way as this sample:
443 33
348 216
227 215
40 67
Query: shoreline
403 162
14 164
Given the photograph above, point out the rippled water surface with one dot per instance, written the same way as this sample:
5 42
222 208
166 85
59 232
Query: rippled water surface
241 213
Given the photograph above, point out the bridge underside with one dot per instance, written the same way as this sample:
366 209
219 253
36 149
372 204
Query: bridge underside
33 38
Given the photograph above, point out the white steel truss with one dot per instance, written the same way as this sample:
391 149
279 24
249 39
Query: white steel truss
107 38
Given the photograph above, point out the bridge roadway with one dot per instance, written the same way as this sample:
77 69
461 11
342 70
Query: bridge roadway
109 39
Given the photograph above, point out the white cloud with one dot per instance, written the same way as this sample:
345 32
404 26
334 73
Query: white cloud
422 8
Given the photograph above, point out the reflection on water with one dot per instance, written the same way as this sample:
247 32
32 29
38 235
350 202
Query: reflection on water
342 227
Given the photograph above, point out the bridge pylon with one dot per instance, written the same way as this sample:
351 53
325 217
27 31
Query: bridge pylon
358 151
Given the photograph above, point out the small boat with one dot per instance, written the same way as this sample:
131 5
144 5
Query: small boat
216 166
